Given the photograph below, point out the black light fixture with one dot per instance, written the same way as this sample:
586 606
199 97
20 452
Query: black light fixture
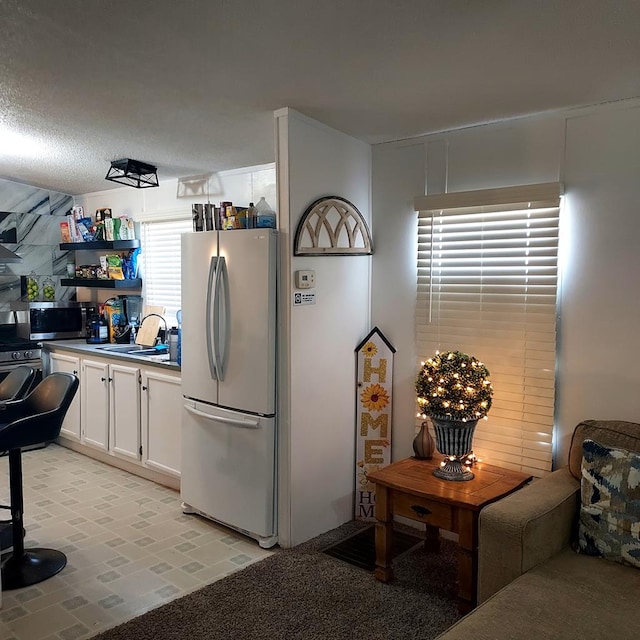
133 173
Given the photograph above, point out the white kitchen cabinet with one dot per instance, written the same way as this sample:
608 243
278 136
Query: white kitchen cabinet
124 411
68 364
161 420
110 407
94 403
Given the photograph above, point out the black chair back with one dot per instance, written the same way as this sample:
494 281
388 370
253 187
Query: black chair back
17 383
38 418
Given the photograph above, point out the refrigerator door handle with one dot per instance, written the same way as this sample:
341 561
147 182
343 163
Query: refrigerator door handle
223 320
247 424
210 318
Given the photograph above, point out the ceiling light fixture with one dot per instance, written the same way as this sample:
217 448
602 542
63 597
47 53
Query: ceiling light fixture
133 173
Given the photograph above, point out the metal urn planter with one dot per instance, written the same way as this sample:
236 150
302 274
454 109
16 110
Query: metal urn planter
453 439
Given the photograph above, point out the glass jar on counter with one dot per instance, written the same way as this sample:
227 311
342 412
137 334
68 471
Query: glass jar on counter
48 290
33 287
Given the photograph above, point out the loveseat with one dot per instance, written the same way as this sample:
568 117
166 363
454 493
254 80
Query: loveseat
532 583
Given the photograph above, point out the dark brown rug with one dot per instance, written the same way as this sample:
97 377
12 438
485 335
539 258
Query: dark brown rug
304 593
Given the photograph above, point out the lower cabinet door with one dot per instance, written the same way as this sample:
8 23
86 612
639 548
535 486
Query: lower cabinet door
124 401
161 421
94 404
68 364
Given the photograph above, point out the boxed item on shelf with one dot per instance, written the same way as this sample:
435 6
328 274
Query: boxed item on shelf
65 235
87 271
114 267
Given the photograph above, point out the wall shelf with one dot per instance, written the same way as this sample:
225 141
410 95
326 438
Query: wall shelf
100 245
99 283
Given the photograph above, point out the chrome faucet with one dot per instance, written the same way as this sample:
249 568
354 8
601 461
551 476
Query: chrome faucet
166 332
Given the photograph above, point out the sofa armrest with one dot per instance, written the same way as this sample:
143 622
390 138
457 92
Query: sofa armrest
524 529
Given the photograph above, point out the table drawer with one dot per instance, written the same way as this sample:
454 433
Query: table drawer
431 512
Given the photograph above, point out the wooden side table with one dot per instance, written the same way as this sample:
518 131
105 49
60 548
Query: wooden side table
408 488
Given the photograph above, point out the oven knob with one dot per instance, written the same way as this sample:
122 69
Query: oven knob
15 355
28 355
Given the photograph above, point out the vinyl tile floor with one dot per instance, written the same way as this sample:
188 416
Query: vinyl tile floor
129 547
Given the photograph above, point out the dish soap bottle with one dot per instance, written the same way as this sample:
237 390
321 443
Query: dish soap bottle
179 345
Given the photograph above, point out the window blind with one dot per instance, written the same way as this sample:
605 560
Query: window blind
161 264
487 286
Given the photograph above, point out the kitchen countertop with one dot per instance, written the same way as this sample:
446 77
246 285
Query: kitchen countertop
83 348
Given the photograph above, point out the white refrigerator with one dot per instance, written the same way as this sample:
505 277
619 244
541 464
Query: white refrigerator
229 379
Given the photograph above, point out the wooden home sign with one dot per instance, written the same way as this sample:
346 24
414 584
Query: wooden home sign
373 417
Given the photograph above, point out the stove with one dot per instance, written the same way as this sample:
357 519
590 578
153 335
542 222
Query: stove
15 350
18 350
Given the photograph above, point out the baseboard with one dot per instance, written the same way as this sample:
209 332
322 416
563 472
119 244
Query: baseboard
113 461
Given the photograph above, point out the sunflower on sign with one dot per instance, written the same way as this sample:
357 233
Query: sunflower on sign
374 397
369 349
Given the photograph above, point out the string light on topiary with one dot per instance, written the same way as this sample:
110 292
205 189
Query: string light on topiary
460 397
463 391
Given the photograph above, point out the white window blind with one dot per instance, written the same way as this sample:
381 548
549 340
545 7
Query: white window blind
161 264
487 286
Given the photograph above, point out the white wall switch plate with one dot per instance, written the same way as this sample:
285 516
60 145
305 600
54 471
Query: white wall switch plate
305 279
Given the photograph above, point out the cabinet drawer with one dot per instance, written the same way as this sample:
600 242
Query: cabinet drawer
431 512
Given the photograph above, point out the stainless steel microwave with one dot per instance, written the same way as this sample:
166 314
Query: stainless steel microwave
52 320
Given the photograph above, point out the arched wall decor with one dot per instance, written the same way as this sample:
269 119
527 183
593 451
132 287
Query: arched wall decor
332 226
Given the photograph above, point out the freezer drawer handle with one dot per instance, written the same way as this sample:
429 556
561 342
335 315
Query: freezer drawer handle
247 424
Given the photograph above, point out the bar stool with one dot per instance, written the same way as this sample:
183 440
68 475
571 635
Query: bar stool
36 419
17 383
14 387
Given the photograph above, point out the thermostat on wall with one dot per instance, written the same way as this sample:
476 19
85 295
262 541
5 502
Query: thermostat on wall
305 279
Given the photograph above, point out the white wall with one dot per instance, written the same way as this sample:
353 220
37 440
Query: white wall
596 153
398 173
317 412
600 346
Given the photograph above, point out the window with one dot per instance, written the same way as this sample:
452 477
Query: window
161 264
487 286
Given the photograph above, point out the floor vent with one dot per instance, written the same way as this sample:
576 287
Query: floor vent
359 549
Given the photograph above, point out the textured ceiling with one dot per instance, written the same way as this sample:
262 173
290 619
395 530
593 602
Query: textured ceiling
191 85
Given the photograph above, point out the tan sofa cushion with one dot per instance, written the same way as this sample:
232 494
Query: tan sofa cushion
610 433
570 597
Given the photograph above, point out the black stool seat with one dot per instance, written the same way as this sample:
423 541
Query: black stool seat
36 419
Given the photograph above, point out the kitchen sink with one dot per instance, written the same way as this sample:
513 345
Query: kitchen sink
135 349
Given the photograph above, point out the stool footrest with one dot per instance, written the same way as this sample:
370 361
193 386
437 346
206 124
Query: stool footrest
34 566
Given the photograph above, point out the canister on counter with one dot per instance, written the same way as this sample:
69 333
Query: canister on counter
173 344
209 217
197 213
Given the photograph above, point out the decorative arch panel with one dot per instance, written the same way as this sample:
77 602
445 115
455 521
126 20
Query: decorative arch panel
332 226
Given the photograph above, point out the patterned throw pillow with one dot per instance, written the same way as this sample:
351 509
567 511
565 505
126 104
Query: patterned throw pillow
610 512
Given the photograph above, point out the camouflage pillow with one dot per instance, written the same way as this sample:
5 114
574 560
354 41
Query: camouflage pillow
610 513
